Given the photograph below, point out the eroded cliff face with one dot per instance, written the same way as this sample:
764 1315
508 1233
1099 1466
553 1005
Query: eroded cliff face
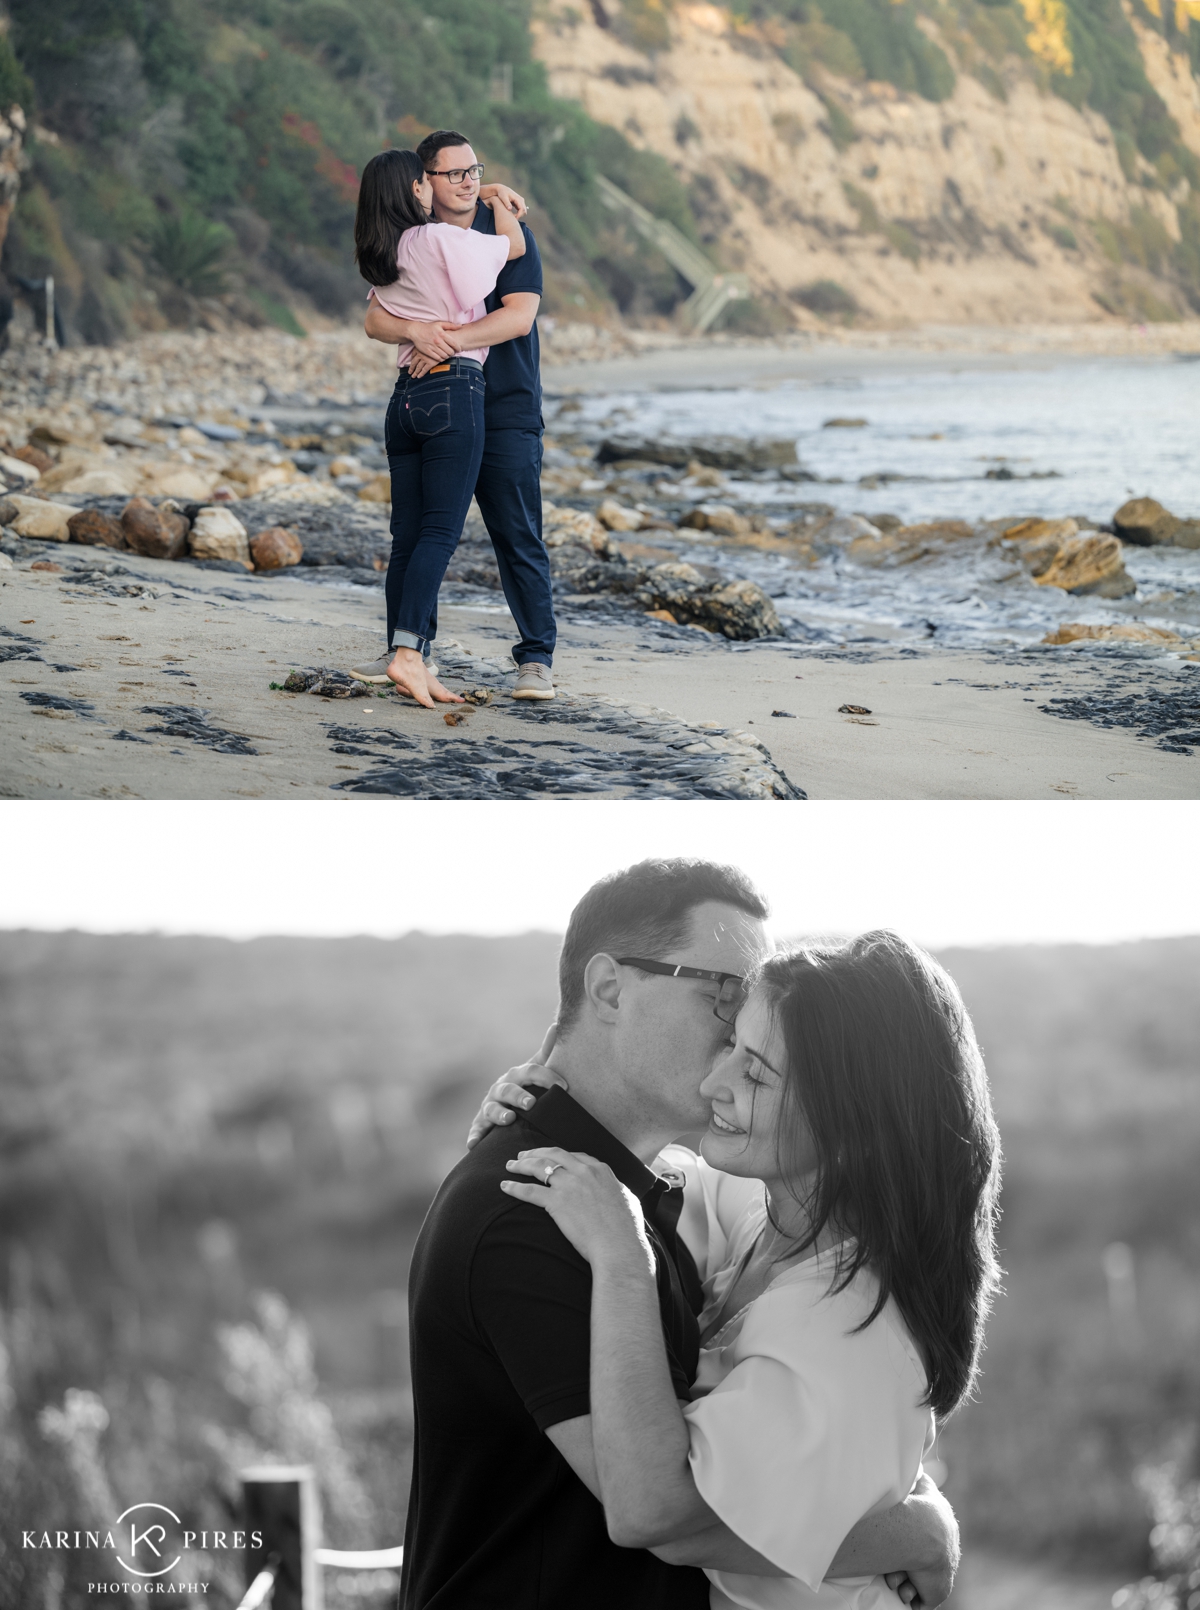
974 209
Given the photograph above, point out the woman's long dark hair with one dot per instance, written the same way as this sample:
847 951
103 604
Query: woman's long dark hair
883 1068
386 208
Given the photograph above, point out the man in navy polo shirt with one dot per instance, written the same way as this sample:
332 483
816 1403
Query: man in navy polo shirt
508 489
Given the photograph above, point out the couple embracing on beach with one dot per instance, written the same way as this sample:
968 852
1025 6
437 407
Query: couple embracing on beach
455 284
686 1317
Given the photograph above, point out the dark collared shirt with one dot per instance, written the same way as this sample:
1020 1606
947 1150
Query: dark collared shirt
500 1324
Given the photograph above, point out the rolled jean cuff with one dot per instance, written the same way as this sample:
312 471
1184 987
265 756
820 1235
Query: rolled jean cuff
411 640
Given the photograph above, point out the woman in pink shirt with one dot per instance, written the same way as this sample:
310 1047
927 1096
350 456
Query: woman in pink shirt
434 426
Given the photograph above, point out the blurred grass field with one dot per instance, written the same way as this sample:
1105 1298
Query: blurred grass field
187 1124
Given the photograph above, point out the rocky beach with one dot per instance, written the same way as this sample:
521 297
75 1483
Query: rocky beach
737 622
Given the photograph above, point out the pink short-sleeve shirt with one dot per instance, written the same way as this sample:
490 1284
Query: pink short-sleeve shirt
443 274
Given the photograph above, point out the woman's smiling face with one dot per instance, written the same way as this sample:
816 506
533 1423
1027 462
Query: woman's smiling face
745 1089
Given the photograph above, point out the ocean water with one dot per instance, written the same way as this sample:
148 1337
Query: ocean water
1076 439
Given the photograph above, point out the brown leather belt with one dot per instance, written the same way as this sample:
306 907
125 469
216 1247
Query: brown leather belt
463 363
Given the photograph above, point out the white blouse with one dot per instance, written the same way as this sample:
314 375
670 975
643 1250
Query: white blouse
800 1425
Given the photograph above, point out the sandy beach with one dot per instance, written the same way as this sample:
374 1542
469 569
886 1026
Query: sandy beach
123 675
142 678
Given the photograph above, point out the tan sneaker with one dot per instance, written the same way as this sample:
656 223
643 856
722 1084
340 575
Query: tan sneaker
376 670
534 681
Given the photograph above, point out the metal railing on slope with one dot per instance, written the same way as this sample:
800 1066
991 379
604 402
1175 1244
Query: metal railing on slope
711 290
283 1567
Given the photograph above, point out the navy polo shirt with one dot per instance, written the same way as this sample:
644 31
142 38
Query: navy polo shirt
500 1314
513 400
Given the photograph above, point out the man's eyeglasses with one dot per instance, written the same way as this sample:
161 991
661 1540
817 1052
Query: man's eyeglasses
731 987
456 175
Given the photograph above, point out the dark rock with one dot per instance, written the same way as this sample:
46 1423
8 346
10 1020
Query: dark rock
853 710
8 511
354 537
154 533
328 684
1145 522
33 455
737 609
276 548
718 452
99 530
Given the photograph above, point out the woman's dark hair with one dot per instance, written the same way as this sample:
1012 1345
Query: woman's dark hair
883 1069
386 208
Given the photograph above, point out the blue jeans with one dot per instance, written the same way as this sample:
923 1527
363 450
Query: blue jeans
434 439
509 495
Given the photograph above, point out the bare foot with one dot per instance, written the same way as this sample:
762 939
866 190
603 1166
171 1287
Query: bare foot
407 671
441 694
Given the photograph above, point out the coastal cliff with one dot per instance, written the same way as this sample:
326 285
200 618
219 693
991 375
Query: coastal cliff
984 196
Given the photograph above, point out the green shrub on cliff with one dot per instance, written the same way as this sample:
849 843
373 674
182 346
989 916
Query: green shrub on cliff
876 39
259 115
14 86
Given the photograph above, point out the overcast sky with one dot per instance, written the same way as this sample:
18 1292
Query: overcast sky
974 873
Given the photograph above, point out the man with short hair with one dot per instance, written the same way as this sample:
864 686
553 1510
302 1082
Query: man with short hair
508 487
504 1508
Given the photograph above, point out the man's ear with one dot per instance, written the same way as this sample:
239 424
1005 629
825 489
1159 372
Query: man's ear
602 986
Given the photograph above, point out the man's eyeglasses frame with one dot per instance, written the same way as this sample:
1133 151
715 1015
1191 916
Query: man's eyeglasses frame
455 175
736 998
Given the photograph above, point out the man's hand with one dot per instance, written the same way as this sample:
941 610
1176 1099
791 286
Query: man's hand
510 198
929 1580
437 341
913 1546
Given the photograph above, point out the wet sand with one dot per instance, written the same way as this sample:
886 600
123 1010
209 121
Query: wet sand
647 711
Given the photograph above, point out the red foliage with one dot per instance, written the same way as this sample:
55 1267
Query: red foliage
343 176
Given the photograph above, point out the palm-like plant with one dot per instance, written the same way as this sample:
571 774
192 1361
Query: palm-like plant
191 251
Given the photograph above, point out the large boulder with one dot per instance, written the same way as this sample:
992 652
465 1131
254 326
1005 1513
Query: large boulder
187 482
1090 564
219 534
1115 631
105 481
98 529
614 516
154 533
741 610
1037 541
377 490
718 517
738 609
276 548
16 469
902 544
563 526
718 452
1145 522
36 517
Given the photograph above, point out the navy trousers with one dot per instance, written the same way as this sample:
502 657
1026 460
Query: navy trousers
508 492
